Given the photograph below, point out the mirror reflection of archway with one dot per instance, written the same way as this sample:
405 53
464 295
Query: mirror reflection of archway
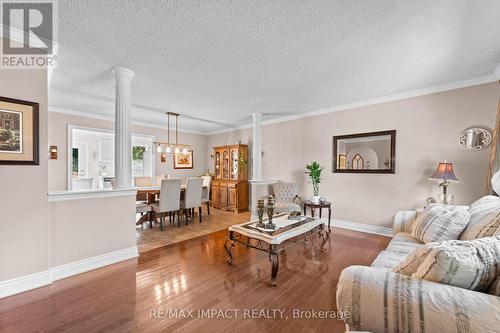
357 162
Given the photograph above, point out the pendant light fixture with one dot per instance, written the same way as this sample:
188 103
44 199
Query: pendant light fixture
168 147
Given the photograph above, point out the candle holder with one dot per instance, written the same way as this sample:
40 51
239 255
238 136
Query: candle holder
260 213
270 212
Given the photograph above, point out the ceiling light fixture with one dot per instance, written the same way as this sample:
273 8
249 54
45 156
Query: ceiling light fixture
168 147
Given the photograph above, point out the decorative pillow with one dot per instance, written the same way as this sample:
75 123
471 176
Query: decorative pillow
470 265
488 225
484 205
484 219
440 223
415 259
494 289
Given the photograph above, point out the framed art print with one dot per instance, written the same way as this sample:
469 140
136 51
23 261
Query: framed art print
183 161
19 141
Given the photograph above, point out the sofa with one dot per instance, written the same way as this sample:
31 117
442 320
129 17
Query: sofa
375 299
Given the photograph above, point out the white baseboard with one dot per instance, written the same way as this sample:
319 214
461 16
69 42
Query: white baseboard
89 264
24 283
33 281
370 229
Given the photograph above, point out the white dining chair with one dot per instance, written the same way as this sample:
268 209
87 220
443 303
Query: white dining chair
160 178
169 203
192 197
143 181
205 192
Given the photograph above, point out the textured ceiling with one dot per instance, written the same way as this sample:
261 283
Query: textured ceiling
219 61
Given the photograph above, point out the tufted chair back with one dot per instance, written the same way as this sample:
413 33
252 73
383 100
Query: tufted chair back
284 192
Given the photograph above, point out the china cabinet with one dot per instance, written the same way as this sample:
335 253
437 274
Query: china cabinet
230 183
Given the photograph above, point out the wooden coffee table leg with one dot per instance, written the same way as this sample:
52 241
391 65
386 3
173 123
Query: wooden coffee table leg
274 265
320 210
305 213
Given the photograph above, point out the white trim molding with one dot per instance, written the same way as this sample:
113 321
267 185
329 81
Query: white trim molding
89 194
374 101
111 119
89 264
367 228
40 279
24 283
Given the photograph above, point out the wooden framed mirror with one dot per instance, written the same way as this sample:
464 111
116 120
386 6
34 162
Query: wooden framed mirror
373 152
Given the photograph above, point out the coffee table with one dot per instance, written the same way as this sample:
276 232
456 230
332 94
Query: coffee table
287 233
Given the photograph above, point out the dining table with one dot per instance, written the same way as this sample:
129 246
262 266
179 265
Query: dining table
152 193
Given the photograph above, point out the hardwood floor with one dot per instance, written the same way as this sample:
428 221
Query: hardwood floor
151 238
193 275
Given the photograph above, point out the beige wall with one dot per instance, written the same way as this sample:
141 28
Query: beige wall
427 131
58 129
112 219
23 189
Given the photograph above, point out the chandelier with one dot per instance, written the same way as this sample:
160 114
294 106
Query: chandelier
169 147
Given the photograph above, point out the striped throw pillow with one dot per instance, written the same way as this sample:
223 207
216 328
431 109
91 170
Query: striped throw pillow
484 219
472 265
440 223
488 225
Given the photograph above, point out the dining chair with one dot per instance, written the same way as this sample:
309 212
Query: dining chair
143 181
170 195
192 197
205 192
158 179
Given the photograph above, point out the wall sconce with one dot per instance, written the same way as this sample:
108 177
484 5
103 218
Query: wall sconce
53 152
163 158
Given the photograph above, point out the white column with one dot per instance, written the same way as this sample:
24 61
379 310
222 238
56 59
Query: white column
257 147
123 135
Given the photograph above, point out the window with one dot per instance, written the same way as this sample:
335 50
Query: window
92 157
138 160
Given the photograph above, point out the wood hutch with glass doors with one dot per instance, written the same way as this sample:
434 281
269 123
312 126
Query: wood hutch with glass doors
230 178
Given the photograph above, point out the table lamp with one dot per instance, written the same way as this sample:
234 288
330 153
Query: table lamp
444 174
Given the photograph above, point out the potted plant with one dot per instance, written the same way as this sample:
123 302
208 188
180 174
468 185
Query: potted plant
313 170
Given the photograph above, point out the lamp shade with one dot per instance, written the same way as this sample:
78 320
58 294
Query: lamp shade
444 172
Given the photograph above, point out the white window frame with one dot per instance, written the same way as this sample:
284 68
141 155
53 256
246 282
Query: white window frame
150 138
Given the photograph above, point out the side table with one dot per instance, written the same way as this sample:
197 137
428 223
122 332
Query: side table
312 206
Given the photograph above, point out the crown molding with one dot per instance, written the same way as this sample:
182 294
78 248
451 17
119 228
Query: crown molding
378 100
91 115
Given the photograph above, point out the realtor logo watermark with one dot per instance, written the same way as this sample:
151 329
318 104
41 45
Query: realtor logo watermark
29 30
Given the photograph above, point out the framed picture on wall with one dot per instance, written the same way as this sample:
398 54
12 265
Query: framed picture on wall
19 133
183 161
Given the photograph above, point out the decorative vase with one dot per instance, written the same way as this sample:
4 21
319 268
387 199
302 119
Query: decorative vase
315 199
270 212
260 213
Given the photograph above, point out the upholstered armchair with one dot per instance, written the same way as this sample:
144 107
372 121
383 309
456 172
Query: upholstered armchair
286 198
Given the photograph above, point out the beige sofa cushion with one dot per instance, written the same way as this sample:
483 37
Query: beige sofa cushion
484 219
387 260
471 265
397 251
440 223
